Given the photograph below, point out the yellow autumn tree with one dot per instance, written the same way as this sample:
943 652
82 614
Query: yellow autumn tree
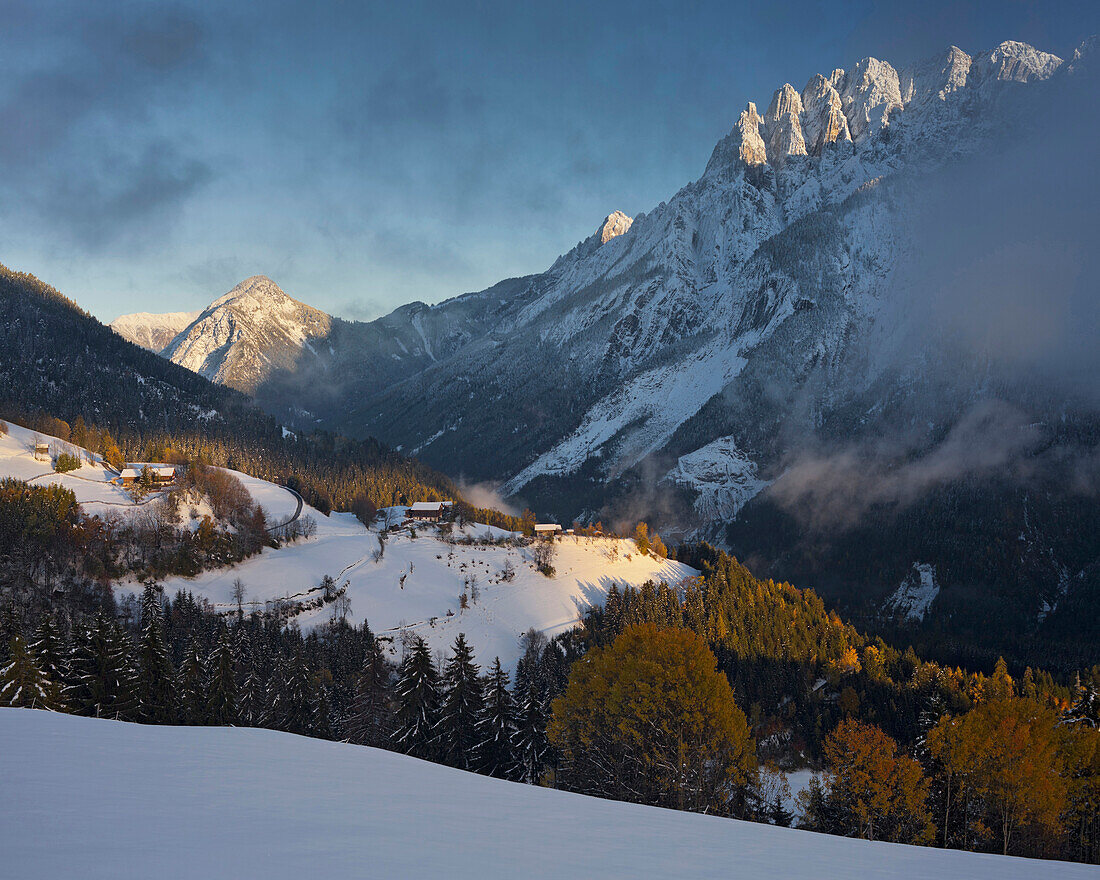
650 719
872 789
1004 760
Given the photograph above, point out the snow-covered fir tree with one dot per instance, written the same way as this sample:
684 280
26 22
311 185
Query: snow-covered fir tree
51 655
156 679
103 679
191 686
418 699
496 729
463 699
22 683
1085 709
531 745
221 701
295 705
370 719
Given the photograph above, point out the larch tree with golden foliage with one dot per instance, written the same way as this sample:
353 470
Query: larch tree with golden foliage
650 719
1004 757
871 790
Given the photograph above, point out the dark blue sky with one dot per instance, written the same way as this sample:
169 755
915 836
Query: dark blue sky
368 154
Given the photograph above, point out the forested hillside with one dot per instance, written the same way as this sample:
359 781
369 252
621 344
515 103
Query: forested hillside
64 373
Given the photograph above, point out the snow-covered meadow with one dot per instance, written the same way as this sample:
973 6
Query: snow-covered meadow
90 798
414 585
91 482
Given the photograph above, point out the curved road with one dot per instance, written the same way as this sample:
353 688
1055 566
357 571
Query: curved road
297 511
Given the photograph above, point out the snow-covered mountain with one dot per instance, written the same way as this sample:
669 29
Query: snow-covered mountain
152 331
768 336
118 800
239 339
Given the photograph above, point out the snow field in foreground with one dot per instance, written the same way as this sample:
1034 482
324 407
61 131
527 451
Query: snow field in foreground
96 799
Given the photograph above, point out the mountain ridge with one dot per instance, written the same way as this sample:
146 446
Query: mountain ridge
770 321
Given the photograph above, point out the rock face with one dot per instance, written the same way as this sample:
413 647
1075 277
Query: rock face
744 143
824 121
246 335
1017 62
870 93
613 225
936 78
151 331
783 127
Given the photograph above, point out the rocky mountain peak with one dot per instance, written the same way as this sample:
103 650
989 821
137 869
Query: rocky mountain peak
935 78
1017 62
241 338
614 224
258 288
823 120
744 143
871 92
783 126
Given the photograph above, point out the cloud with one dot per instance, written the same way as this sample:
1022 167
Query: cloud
92 162
834 488
1003 265
123 192
487 495
1000 292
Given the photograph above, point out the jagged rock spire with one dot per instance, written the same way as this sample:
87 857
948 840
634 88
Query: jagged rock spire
614 224
823 120
783 126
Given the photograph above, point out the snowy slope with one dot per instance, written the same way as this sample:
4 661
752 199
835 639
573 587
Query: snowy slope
93 482
419 580
152 331
102 799
90 482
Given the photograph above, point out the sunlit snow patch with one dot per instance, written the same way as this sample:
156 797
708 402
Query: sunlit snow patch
723 476
914 596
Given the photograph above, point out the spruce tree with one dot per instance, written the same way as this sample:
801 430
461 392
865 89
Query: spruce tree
103 680
191 686
463 700
322 714
51 656
417 693
22 683
530 742
496 728
221 701
156 679
1085 709
252 706
370 721
294 707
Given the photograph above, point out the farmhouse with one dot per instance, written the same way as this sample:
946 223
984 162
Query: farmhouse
161 476
547 529
432 511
